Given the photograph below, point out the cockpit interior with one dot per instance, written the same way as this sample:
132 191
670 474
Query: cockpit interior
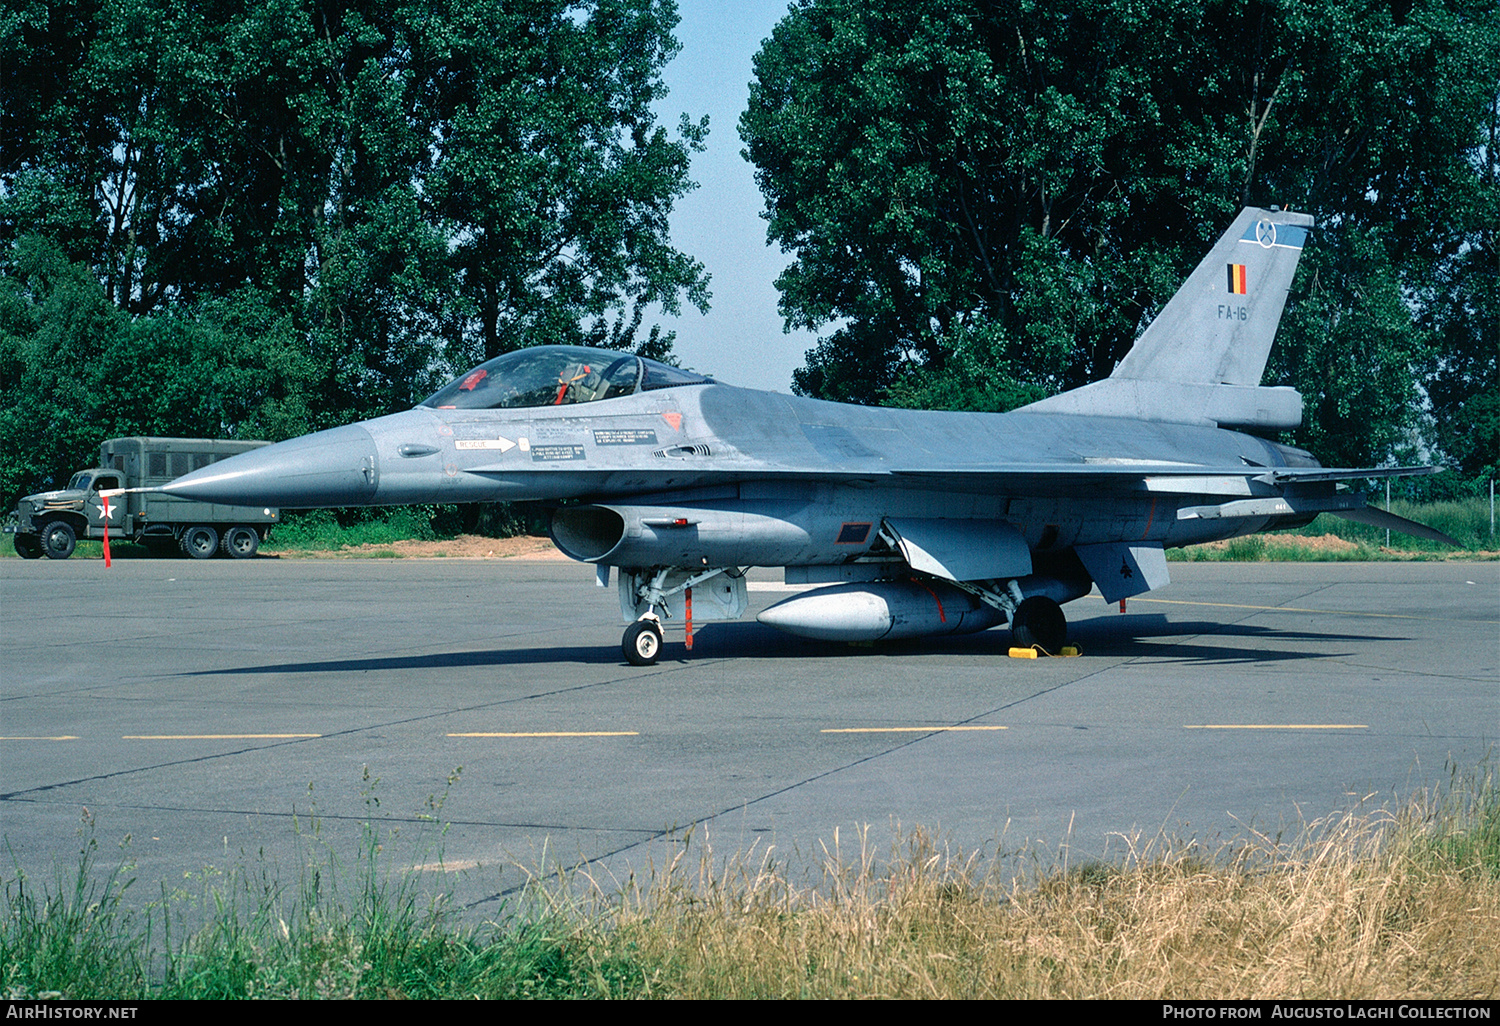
557 376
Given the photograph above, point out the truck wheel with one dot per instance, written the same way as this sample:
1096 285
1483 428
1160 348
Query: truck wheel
28 546
58 540
200 541
240 542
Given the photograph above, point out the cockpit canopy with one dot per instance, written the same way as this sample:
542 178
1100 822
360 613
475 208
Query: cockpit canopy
557 376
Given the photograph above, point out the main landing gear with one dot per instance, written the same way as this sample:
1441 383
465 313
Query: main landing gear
1039 621
1036 620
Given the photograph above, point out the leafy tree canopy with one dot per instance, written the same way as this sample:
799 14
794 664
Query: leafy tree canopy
986 203
260 218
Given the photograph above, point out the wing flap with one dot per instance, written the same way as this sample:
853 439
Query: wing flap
1285 475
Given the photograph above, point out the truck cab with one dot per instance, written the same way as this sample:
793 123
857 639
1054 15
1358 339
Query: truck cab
50 523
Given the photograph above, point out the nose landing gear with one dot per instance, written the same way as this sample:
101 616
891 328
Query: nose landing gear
642 642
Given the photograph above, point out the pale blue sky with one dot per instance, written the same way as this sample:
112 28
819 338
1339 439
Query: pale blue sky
740 341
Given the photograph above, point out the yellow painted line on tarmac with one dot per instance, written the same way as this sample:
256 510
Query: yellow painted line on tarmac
1297 609
1275 726
212 737
900 730
555 733
59 737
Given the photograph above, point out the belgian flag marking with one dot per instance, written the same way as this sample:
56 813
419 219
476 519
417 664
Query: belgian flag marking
1237 280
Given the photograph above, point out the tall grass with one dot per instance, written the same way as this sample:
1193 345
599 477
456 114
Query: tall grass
340 931
1371 905
327 530
319 530
1359 906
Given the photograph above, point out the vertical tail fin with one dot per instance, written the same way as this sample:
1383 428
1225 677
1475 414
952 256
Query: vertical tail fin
1218 328
1201 359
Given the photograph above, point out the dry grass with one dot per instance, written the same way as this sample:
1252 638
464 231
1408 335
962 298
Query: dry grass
1360 907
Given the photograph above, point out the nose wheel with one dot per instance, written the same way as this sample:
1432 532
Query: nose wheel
642 643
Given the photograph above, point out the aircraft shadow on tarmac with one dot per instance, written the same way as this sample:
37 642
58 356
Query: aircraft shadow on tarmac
1151 636
1124 637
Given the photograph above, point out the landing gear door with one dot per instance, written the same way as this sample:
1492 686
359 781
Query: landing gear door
720 597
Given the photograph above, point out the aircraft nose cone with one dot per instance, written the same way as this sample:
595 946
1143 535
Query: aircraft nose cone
329 468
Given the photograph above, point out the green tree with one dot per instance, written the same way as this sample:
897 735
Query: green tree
1460 305
334 204
987 203
55 324
75 370
554 177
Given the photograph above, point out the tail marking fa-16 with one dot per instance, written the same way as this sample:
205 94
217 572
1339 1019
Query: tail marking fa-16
917 522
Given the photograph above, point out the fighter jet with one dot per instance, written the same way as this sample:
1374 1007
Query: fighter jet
914 522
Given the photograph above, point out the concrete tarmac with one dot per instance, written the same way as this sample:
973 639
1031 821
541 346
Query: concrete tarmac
262 715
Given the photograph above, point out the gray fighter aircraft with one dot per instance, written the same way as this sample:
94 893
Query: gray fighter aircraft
917 523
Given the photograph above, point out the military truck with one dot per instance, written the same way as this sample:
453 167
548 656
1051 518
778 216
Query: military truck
50 523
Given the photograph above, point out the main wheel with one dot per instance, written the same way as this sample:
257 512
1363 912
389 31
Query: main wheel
642 643
240 542
58 540
200 541
1040 621
28 546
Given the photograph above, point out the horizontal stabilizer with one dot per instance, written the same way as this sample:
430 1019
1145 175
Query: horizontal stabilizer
1390 521
1350 507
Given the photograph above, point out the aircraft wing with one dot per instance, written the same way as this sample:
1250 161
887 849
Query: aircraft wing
1178 478
1226 481
1301 475
1044 477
